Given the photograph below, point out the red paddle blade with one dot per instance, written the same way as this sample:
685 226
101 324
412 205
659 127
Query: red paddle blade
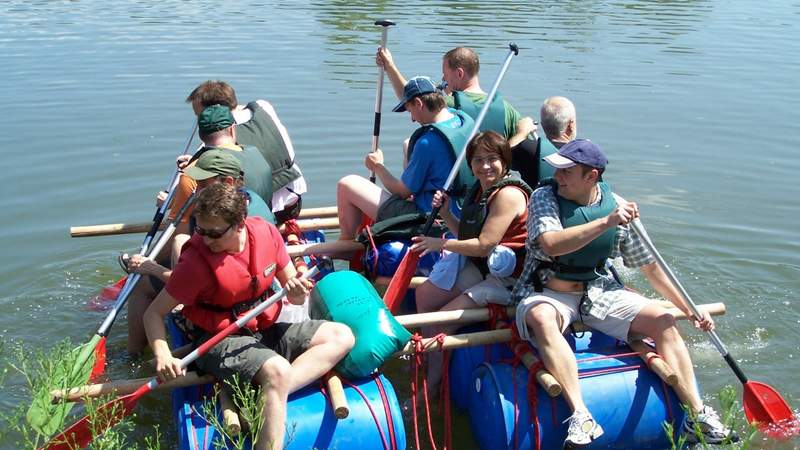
107 294
99 359
764 405
398 286
82 432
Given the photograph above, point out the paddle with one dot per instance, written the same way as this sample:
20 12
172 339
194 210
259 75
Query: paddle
398 286
762 403
376 127
89 358
82 432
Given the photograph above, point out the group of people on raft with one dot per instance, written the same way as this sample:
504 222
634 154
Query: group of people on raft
544 250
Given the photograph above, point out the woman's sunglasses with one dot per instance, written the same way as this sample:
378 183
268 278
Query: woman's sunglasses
211 234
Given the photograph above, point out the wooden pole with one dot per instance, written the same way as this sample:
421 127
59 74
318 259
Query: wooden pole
111 229
125 387
337 398
230 415
464 316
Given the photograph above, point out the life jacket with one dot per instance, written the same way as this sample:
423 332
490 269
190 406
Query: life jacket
262 132
238 289
495 119
456 139
474 214
256 171
588 262
545 148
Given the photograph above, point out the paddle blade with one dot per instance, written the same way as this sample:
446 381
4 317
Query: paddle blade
107 294
74 370
764 405
398 286
99 359
83 432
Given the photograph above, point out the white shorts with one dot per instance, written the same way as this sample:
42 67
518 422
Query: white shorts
491 290
616 324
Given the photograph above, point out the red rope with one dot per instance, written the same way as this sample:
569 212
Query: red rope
371 411
386 410
416 362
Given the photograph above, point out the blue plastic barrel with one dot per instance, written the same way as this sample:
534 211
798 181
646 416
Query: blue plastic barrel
631 403
463 362
375 418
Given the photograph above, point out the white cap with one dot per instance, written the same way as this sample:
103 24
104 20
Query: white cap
502 261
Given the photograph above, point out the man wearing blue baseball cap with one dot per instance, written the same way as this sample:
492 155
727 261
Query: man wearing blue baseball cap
433 149
575 224
460 68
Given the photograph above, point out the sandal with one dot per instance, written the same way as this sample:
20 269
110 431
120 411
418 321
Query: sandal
123 259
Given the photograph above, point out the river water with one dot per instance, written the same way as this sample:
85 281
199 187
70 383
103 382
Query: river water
695 103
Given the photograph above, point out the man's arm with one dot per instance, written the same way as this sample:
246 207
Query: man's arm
525 127
383 58
661 283
167 366
374 163
571 239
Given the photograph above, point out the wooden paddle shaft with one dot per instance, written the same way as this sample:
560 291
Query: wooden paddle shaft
336 395
125 387
311 224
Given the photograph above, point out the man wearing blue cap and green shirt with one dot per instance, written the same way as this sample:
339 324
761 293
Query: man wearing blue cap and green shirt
574 225
433 150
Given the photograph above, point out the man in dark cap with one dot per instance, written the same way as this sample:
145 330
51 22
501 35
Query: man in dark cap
258 125
214 166
434 148
217 129
574 225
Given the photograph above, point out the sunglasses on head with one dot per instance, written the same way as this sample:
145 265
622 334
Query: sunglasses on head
211 234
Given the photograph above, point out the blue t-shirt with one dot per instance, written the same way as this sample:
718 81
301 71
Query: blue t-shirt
430 164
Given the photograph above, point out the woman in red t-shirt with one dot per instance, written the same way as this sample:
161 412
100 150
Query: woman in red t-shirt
223 271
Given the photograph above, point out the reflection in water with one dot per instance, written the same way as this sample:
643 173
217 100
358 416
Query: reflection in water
581 27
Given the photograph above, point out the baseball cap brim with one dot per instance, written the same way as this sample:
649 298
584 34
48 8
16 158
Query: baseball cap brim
558 161
199 174
401 107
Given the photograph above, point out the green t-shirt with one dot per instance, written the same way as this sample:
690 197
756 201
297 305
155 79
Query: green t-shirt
512 115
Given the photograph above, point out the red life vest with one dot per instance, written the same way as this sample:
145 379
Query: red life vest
235 283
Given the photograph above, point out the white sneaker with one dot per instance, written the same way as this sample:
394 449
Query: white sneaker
583 429
710 427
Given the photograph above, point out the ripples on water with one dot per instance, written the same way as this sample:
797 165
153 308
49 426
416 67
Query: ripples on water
695 102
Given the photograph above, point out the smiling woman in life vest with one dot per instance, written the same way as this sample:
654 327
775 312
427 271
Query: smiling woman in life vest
486 257
225 270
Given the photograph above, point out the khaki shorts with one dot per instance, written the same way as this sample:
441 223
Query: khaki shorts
245 354
616 324
491 290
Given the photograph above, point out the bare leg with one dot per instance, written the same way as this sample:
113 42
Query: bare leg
436 359
138 301
330 344
274 378
545 323
356 196
659 324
